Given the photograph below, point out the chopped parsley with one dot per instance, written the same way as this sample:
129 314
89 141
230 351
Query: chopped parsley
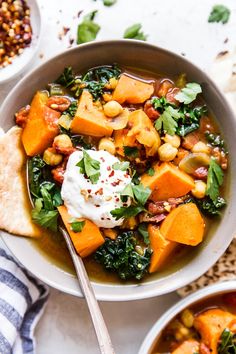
189 93
215 179
227 343
134 32
167 122
109 2
89 167
88 29
143 230
151 171
219 13
77 226
123 166
127 212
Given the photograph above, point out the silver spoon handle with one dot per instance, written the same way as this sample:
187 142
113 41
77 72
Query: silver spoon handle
94 309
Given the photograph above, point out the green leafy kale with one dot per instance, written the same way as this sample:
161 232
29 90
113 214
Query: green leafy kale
67 78
190 119
189 93
219 13
210 207
151 171
88 29
134 32
130 151
227 343
216 140
89 167
120 256
72 109
215 179
36 173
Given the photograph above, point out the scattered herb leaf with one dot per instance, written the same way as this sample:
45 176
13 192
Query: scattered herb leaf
89 167
219 13
167 121
151 171
143 230
134 32
109 2
77 226
127 212
88 29
131 151
123 166
227 344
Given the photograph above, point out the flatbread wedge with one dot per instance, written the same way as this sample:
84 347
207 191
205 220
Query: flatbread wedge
15 207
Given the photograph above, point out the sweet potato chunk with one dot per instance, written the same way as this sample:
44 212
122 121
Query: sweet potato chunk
86 241
131 90
210 324
41 126
184 224
90 119
167 182
189 346
161 247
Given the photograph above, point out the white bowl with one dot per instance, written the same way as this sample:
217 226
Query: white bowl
144 56
20 62
203 294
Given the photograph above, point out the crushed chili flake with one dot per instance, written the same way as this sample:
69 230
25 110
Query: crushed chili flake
116 183
117 199
108 168
111 174
102 159
99 191
15 29
89 190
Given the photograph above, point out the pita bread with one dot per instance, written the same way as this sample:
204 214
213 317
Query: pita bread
224 74
15 206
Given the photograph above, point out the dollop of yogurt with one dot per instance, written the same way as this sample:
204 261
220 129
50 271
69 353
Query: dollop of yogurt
84 199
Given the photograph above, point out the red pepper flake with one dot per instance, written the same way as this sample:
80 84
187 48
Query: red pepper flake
108 218
102 159
116 183
117 199
97 205
108 168
126 175
111 174
99 191
102 218
89 190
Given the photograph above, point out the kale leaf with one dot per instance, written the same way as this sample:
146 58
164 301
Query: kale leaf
215 178
120 256
208 206
216 140
45 193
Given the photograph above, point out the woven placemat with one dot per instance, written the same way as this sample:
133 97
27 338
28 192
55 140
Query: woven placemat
224 74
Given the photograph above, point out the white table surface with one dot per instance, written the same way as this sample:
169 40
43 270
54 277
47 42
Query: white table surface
177 25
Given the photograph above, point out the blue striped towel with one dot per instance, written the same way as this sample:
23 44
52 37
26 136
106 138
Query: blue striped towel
22 301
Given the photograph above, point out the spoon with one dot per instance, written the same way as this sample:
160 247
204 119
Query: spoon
100 327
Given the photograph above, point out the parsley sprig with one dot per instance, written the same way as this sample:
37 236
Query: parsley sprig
90 167
88 29
215 179
219 13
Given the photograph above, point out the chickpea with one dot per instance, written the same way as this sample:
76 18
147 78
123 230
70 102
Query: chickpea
167 152
201 147
182 333
62 141
112 109
51 157
107 145
187 318
199 190
111 85
107 97
174 140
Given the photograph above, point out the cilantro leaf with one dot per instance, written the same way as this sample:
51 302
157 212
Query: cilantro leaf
88 29
141 193
89 167
143 230
215 179
189 93
77 226
151 171
44 218
130 151
128 191
219 13
127 212
160 103
133 32
109 2
123 166
167 120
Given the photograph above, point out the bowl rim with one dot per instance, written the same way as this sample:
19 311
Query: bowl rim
104 292
37 40
208 291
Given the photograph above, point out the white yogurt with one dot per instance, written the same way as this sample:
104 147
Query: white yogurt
94 201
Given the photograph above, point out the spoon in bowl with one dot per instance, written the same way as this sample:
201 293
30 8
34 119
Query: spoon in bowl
100 327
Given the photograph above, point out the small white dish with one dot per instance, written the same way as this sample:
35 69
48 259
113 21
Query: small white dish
20 62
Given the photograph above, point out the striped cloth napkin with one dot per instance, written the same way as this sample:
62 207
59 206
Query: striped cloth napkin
22 301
